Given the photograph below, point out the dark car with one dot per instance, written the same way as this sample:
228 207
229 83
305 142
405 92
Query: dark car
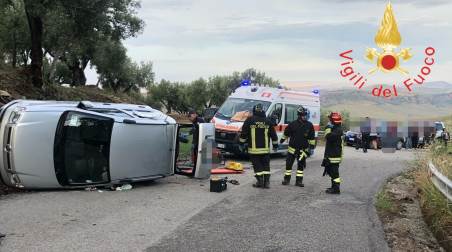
350 138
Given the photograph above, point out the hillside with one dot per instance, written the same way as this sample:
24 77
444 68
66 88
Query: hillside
18 84
428 102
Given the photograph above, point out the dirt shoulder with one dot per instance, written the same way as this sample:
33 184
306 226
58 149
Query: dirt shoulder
398 206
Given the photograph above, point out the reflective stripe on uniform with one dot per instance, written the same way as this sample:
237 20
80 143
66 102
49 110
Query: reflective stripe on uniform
288 172
291 150
266 138
302 155
335 160
284 137
337 180
259 173
242 140
311 142
266 173
299 173
253 137
274 142
327 131
259 150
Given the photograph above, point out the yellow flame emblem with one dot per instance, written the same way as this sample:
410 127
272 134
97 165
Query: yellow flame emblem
388 38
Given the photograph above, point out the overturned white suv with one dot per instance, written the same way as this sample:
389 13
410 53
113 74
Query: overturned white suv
49 144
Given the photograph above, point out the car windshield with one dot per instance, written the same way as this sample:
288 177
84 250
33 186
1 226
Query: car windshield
438 126
234 105
82 149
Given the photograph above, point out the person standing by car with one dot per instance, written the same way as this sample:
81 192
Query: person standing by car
196 120
365 134
333 152
256 132
302 142
445 136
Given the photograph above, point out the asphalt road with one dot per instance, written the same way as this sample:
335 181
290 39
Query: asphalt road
180 214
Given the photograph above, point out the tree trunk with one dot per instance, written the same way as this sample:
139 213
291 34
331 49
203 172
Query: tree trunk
126 90
35 25
14 63
78 76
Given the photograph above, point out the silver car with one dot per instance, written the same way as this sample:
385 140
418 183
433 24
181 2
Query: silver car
49 144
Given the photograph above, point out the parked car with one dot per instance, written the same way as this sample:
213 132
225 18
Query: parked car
351 138
49 144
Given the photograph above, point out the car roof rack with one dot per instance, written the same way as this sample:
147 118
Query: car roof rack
85 105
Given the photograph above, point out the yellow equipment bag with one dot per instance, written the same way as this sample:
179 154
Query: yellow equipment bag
234 166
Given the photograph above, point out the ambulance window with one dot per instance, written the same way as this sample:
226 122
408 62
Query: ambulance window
277 112
291 113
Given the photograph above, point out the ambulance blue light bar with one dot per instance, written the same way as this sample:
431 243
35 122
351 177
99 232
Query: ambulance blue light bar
245 83
316 91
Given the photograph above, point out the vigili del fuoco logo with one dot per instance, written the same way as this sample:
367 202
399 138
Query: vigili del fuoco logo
388 58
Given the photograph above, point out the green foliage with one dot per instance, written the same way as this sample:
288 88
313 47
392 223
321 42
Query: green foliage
14 33
217 88
201 93
384 203
171 95
71 33
197 94
324 119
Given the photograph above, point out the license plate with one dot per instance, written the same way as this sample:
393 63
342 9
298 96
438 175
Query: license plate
351 139
221 146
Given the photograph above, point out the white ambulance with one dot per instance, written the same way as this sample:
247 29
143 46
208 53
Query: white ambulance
278 103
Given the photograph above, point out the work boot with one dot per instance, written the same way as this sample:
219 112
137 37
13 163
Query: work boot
299 182
286 180
267 181
334 190
259 182
332 184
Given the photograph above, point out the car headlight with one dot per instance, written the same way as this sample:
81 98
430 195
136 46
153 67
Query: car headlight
16 114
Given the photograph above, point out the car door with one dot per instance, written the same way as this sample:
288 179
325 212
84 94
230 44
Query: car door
142 151
206 149
276 115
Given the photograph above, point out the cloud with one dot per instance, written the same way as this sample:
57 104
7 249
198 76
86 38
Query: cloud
291 40
413 2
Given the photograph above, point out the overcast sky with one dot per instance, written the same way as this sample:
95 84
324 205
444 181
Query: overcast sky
294 41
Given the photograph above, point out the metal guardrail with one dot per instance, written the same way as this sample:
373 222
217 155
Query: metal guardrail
441 182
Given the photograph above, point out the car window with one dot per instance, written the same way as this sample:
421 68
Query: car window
82 148
291 113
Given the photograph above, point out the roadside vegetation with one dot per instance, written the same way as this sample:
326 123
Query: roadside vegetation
410 206
435 207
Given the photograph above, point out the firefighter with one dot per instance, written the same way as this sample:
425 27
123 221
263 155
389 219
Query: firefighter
333 151
301 143
256 133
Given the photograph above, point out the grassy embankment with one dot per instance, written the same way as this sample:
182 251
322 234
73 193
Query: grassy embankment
436 209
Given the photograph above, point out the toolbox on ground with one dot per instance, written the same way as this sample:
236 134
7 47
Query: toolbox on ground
218 184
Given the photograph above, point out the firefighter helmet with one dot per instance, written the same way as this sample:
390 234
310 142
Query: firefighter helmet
335 118
301 111
258 110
